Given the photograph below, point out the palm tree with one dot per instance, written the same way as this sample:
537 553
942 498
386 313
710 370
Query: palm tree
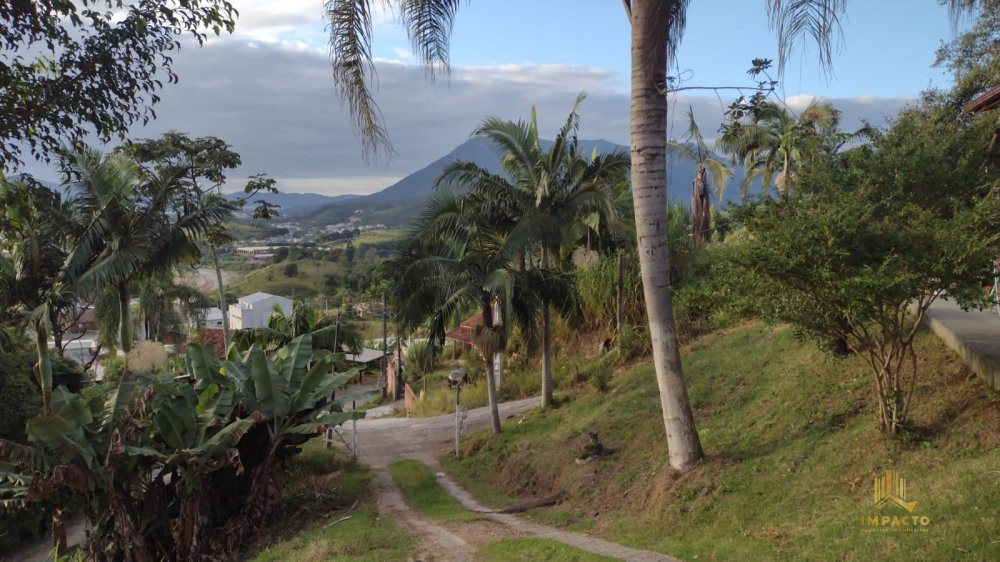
327 332
33 229
775 143
454 260
542 191
695 148
130 230
157 298
656 31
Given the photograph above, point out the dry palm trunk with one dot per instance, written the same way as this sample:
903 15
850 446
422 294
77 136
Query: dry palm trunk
701 211
546 344
222 297
125 319
648 124
620 293
488 353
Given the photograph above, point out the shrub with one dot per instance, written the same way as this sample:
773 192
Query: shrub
474 365
114 367
420 359
19 396
19 401
187 469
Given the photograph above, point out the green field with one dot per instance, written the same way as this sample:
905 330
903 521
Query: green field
369 237
792 453
309 282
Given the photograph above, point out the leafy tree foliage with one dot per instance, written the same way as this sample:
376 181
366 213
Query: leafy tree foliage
73 67
974 56
877 235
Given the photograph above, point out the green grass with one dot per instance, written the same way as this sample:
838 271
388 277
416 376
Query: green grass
531 550
370 237
792 450
425 496
309 282
323 487
365 536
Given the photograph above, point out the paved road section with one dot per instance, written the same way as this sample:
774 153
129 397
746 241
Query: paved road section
973 335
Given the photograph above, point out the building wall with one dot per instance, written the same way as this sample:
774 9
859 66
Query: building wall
242 315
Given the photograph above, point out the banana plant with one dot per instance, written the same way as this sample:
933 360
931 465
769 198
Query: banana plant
157 445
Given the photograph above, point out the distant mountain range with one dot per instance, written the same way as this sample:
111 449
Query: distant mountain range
389 206
420 184
290 201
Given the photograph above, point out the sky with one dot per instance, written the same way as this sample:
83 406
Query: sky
268 90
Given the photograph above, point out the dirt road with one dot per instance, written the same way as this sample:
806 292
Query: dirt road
383 441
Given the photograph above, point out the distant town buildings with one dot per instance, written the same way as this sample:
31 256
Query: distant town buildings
252 311
259 252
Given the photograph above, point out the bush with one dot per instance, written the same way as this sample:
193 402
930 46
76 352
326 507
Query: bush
67 372
19 401
633 341
420 359
206 466
19 395
113 367
474 365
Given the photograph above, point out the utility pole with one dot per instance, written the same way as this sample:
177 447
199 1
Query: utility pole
336 335
385 350
400 393
458 417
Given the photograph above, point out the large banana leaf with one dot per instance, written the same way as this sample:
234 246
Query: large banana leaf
334 418
204 365
303 393
205 453
65 439
115 406
270 387
295 358
214 403
70 406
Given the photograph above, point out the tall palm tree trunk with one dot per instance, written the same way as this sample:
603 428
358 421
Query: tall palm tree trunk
620 294
44 366
222 297
546 343
491 387
125 319
701 214
648 123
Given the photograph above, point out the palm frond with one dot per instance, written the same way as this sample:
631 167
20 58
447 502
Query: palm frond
354 69
428 24
793 19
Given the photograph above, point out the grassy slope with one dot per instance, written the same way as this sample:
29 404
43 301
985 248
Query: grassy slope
271 279
322 489
792 451
369 237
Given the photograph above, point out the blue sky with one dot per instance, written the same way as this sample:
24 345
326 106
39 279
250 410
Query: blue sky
887 48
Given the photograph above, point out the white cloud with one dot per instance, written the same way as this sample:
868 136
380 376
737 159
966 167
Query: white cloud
279 109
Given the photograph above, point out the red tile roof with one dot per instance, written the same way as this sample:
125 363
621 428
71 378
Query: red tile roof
212 337
463 332
987 101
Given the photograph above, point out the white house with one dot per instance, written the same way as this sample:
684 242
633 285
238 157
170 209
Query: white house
213 317
252 311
